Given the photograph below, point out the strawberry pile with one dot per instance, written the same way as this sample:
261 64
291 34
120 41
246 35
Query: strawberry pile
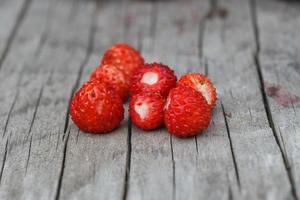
157 98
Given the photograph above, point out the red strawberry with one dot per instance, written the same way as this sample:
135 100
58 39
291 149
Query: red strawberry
156 78
96 109
124 57
113 78
146 110
186 112
202 84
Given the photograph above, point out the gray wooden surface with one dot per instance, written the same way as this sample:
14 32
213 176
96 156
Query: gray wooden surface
249 48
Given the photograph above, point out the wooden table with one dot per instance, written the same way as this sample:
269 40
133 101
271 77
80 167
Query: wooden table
251 51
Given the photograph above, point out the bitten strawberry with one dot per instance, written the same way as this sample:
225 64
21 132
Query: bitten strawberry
146 110
113 78
96 109
124 57
202 84
155 78
186 112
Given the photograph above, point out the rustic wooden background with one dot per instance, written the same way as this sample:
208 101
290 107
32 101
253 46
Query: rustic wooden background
250 49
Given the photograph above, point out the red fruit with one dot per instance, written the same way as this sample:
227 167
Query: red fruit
186 112
96 109
146 110
124 57
155 78
113 78
202 84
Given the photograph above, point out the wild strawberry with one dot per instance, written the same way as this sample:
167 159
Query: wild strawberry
146 110
113 78
155 78
202 84
96 109
186 112
124 57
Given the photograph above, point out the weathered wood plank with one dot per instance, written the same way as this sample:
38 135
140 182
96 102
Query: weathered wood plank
199 167
278 38
30 34
110 28
229 44
23 47
13 71
12 13
151 158
96 165
165 167
36 146
42 156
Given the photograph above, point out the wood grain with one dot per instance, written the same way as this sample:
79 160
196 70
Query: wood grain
97 166
48 49
35 132
12 13
165 167
229 46
278 60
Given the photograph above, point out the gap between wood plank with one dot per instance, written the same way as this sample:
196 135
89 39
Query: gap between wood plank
200 50
10 112
90 49
253 11
128 160
62 170
19 20
34 113
29 153
214 6
236 169
284 149
31 124
230 195
14 101
129 134
196 143
173 168
4 160
129 130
